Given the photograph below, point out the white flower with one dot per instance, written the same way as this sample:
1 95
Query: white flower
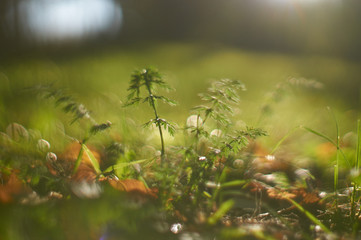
270 157
43 145
216 133
176 228
202 158
84 189
210 184
51 157
238 163
322 194
354 173
193 120
303 173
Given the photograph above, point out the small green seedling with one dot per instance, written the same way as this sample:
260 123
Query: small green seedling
150 79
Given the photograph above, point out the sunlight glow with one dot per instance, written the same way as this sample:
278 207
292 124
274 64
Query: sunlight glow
304 2
296 1
69 19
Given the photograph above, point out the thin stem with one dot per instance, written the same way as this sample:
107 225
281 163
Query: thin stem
284 138
357 167
336 173
152 103
358 153
197 133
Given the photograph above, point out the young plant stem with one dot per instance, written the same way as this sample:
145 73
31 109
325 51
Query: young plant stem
199 126
358 148
336 170
152 102
357 167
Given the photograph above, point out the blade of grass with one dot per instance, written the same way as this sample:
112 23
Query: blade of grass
221 178
309 215
78 160
357 167
337 157
284 138
335 181
319 134
93 160
234 183
222 210
336 144
358 148
125 164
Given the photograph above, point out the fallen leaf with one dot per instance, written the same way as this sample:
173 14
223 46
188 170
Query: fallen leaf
64 164
306 197
12 188
279 194
132 186
84 173
71 153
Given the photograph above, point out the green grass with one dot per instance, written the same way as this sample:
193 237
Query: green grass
198 183
101 79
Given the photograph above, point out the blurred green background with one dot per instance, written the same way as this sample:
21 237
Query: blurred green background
92 47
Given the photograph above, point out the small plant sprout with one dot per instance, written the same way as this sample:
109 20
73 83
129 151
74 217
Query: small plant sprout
150 79
217 106
218 100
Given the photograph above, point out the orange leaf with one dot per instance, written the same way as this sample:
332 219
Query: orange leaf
13 188
84 173
131 186
278 194
65 163
71 153
325 151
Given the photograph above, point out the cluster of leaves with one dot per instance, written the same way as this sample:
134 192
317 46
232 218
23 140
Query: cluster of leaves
68 103
217 105
186 176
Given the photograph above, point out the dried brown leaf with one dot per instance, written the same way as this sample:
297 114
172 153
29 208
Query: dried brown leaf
12 188
132 186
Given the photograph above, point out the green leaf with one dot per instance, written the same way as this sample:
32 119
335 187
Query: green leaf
100 127
78 160
234 183
319 134
222 210
93 160
309 215
168 100
125 164
132 101
149 123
